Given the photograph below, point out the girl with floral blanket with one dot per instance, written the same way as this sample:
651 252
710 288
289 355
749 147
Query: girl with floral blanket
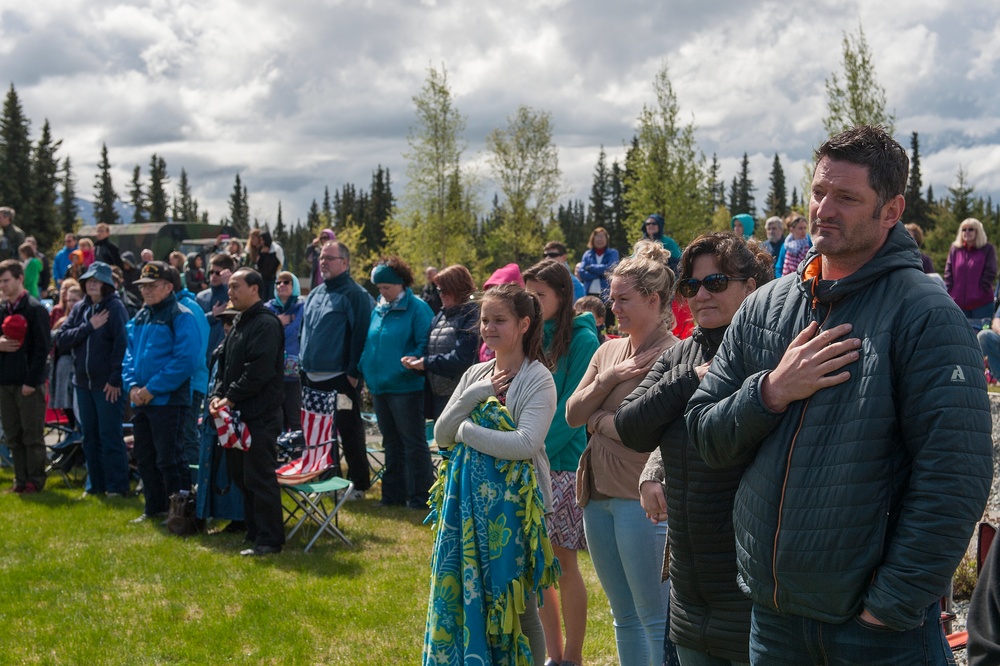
491 553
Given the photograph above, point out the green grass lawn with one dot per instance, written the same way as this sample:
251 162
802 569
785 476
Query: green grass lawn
79 585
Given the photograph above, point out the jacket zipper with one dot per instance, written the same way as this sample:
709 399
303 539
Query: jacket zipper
788 466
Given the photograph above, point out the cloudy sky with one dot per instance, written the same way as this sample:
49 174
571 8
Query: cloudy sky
301 94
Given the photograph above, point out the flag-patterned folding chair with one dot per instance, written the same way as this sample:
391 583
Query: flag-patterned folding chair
314 500
319 410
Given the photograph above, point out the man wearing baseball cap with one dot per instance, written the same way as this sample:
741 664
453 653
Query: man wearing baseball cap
164 347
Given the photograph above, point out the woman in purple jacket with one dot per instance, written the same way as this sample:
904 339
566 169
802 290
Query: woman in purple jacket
970 271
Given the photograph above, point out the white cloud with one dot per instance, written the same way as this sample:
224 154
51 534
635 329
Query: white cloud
300 95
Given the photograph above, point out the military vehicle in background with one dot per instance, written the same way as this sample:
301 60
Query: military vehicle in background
163 237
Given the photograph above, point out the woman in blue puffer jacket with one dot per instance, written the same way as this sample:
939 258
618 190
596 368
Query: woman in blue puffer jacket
596 264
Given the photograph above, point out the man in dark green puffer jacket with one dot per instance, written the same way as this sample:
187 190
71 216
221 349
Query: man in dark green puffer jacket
854 392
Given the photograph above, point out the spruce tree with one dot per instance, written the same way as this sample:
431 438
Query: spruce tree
327 209
777 203
15 159
68 208
45 224
187 206
104 192
280 232
237 215
916 207
380 206
599 213
716 186
137 197
619 211
157 189
744 194
313 220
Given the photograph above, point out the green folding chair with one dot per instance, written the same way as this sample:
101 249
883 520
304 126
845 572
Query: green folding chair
318 502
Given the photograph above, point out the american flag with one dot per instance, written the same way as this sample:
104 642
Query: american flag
319 409
231 432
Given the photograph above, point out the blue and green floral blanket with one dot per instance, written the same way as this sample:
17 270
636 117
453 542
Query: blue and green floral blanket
491 551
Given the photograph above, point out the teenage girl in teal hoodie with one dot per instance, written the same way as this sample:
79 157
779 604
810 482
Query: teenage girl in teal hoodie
569 343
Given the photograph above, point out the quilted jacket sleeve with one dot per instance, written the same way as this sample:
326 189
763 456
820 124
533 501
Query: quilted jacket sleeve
946 428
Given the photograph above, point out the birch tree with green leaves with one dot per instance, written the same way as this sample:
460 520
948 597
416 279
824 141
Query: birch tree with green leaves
665 171
525 166
436 222
855 97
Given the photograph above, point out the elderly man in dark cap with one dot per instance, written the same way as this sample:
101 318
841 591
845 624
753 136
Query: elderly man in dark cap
164 348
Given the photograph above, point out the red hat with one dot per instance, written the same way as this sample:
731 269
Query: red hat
15 327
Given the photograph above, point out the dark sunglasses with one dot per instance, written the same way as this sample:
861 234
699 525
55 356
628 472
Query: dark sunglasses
714 283
551 255
284 281
215 272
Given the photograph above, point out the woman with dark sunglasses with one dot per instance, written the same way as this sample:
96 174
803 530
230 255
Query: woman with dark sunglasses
288 305
709 615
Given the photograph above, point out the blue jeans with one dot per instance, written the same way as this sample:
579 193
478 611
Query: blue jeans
776 638
990 343
627 551
409 473
159 454
103 446
691 657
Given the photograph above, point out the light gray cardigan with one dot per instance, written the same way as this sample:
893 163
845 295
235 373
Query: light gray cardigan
531 401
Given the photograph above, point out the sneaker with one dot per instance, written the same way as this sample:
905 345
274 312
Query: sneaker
144 517
29 489
257 551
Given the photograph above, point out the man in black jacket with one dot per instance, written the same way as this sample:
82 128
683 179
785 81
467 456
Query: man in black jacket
251 383
24 348
104 249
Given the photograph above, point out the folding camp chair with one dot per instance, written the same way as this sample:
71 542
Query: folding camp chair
376 455
319 503
315 500
64 449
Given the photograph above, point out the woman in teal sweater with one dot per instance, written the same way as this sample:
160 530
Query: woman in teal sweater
569 342
399 326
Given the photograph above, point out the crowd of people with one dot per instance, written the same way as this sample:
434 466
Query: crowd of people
774 452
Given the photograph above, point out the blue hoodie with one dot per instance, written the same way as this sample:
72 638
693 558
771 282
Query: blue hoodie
746 220
293 308
669 243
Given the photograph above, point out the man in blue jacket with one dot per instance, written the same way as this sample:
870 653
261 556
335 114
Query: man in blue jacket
853 391
334 328
164 347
